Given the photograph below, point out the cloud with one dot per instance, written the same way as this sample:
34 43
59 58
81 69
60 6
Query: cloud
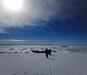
17 41
36 11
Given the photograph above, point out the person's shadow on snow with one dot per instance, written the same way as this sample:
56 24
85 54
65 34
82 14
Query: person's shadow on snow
50 58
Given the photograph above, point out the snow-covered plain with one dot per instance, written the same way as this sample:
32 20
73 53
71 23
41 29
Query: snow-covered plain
19 60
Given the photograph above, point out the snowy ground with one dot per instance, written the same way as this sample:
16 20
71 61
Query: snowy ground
19 60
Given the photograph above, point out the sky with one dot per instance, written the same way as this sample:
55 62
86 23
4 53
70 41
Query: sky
45 20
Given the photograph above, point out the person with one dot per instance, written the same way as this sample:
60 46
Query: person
46 52
50 51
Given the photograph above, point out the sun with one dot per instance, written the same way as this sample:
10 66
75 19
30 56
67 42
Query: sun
13 5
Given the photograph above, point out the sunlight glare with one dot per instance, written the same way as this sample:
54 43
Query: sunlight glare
13 5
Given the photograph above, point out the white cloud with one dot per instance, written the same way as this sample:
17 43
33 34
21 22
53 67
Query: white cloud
36 10
32 12
17 41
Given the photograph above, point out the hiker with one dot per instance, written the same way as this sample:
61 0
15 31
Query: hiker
50 51
46 52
